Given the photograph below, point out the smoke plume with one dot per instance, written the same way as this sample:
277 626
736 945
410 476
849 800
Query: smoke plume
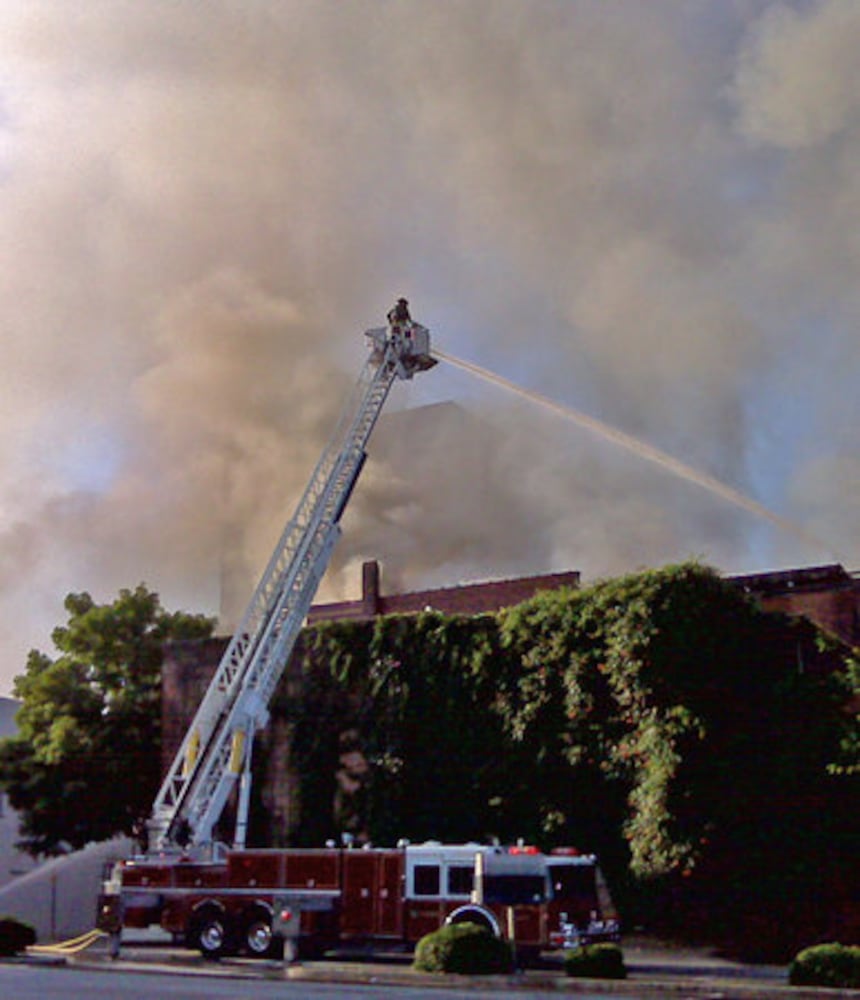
646 211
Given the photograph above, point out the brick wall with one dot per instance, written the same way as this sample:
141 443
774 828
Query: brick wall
826 595
186 672
189 666
465 599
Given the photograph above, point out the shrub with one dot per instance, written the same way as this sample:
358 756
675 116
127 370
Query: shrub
827 965
465 948
596 961
15 936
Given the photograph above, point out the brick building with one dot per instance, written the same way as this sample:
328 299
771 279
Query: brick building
465 599
827 595
188 666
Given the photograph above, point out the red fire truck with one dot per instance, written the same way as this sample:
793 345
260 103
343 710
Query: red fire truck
341 896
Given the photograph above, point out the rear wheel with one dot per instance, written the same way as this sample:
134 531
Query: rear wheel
257 938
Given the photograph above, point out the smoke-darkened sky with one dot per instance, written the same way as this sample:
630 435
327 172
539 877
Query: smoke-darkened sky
648 211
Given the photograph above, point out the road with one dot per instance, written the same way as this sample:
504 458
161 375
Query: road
30 982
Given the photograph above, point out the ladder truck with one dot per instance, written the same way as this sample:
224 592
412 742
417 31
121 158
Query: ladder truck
215 754
224 900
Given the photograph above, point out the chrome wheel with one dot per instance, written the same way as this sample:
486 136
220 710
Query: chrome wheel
258 936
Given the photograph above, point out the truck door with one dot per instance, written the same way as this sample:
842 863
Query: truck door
389 897
359 891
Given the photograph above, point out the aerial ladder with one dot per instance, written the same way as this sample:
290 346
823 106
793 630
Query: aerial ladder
216 751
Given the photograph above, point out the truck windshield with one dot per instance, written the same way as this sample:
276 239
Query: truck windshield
510 890
574 884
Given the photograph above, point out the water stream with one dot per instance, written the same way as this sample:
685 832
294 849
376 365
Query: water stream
643 450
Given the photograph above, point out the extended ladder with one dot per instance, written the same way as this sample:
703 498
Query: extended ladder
217 747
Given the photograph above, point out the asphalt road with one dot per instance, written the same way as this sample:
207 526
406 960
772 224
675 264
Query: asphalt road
156 968
32 982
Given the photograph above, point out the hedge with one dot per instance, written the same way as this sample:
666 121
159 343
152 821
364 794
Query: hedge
596 961
463 948
831 964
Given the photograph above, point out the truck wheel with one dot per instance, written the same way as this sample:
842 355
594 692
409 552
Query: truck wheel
257 938
211 934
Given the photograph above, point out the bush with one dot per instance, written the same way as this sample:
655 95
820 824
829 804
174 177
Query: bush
465 948
596 961
15 936
827 965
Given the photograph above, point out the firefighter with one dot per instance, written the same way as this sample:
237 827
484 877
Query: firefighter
400 313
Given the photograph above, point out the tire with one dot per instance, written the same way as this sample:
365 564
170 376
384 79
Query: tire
211 934
257 938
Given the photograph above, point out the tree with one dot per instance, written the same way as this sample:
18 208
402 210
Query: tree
86 762
729 730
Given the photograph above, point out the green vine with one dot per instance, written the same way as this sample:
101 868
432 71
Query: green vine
656 719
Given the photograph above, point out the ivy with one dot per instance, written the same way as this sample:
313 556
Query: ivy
660 719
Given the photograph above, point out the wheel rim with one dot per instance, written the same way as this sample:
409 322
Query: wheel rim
258 937
212 936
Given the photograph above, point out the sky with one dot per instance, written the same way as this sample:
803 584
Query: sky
646 211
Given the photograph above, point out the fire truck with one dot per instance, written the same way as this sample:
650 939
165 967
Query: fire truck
252 899
221 899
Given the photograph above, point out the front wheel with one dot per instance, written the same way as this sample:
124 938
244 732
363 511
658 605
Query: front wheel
257 938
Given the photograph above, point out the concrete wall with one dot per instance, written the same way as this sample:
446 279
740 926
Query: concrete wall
59 898
12 861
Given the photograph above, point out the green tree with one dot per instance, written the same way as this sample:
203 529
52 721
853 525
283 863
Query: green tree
85 764
727 729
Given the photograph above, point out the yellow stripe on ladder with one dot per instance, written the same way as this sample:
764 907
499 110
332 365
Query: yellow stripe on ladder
237 752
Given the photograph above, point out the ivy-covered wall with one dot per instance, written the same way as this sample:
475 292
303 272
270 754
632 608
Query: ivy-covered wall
700 746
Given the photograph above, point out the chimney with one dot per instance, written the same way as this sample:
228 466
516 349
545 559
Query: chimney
370 587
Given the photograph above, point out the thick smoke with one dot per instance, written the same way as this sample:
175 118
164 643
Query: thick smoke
647 211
